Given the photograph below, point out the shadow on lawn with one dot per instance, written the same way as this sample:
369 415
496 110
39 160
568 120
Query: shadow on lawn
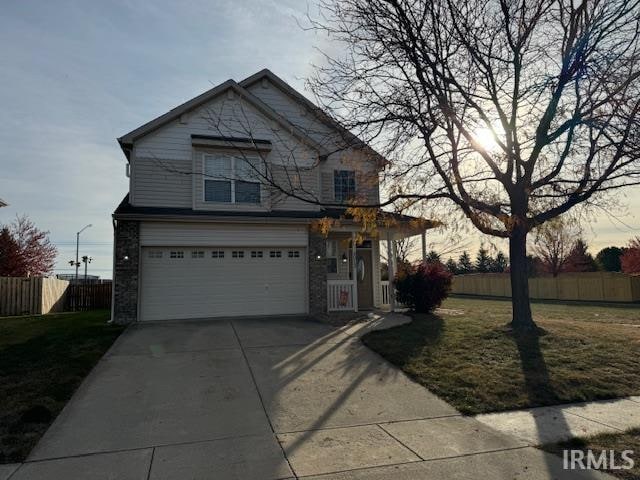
418 338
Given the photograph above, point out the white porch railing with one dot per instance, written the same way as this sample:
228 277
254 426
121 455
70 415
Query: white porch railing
384 287
340 295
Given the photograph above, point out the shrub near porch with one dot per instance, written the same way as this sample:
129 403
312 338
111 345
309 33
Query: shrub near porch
464 354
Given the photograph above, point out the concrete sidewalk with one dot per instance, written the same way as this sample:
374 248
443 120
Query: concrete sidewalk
267 399
538 426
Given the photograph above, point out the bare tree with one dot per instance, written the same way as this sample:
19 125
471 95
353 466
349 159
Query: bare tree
512 112
553 242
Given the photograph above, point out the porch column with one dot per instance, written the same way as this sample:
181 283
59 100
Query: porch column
423 237
354 271
391 272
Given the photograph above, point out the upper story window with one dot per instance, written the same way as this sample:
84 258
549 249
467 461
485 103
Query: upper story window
344 183
229 179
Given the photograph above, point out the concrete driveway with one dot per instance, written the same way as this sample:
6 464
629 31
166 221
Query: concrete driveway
266 399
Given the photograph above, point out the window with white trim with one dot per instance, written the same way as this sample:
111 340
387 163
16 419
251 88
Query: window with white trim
344 184
294 253
332 256
176 254
275 253
197 254
217 254
230 179
237 254
256 254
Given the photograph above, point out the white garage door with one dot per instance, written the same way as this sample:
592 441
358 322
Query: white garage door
199 282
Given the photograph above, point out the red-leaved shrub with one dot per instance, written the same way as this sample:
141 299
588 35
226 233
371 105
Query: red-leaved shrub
423 288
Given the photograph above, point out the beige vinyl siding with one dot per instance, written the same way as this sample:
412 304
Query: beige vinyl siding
156 183
367 179
304 182
221 234
349 159
172 144
327 186
296 113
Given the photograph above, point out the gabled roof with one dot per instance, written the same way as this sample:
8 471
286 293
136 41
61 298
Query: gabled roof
126 141
350 138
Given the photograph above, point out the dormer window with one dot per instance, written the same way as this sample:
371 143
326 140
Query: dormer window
344 182
229 179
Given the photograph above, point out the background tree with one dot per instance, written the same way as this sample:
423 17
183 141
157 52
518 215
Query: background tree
35 255
535 266
579 259
452 266
464 263
630 259
499 263
608 259
11 264
513 112
553 242
433 257
483 260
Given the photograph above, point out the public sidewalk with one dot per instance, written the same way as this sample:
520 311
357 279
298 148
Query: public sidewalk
538 426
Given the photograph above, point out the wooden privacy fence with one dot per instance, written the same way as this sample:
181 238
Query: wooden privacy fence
584 286
31 295
88 297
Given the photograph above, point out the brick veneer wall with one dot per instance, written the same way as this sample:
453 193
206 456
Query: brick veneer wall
317 275
125 280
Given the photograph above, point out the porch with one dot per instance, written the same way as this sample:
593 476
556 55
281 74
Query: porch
354 280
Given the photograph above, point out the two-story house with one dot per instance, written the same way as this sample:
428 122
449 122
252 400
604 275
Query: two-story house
227 198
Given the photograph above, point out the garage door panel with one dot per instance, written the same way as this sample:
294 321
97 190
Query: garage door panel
217 282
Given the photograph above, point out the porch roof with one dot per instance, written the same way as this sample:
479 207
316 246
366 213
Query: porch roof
389 225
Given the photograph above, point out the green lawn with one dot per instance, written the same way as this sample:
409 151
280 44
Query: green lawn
467 356
43 359
618 442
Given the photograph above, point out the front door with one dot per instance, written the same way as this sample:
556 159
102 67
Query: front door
364 277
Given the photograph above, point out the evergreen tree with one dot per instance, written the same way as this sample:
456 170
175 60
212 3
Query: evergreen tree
464 263
579 259
452 266
433 257
499 263
609 259
483 260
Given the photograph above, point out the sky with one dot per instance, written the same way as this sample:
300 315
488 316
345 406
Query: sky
75 75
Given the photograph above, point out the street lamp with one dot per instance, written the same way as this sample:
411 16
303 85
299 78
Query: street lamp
78 249
86 260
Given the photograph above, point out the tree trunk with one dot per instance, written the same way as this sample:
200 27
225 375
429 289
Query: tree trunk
522 320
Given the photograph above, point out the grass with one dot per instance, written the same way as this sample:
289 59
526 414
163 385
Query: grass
466 356
618 442
43 360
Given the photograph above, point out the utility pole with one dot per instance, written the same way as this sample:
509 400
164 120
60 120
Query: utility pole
78 249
